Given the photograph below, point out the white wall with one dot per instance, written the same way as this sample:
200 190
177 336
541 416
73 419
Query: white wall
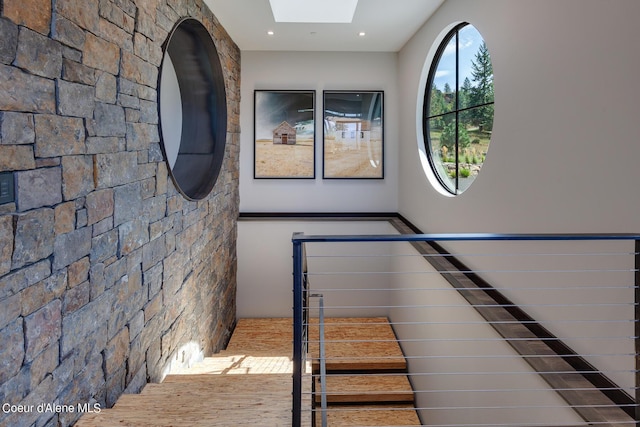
443 337
170 110
319 71
265 267
564 151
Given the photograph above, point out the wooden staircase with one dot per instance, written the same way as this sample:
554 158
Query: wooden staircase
249 384
367 382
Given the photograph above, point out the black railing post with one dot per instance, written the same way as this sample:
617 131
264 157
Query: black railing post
297 332
637 330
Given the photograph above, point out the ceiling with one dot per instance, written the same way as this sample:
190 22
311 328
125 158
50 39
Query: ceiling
388 25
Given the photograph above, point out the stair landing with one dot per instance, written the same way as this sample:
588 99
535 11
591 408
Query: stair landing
248 384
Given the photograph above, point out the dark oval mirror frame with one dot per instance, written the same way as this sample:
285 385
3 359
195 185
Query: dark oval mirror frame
204 109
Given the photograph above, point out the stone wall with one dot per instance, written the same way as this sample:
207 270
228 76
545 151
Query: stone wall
107 274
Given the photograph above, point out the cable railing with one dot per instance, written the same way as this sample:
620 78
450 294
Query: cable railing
499 330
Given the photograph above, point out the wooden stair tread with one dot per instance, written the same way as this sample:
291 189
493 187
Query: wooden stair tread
366 388
142 417
353 344
239 364
262 336
370 415
203 400
196 415
215 386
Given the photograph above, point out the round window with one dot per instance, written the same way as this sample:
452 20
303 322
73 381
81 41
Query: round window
458 108
193 109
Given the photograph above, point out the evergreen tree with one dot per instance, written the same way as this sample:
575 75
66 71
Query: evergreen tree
482 89
465 93
449 97
448 137
436 107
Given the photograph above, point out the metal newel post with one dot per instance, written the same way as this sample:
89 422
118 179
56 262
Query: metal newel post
297 333
637 330
323 365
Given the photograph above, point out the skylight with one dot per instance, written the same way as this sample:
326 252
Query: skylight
314 11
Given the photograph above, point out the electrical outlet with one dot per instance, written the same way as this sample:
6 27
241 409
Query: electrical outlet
6 188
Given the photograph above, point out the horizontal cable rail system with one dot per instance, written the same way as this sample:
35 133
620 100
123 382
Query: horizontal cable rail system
505 330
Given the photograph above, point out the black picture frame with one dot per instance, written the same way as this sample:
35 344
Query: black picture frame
353 134
284 134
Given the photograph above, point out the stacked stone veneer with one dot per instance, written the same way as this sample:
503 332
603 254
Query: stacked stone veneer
107 274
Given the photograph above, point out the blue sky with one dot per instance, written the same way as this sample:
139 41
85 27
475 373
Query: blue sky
469 42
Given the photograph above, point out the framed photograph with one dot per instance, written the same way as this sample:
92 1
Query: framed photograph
284 134
353 135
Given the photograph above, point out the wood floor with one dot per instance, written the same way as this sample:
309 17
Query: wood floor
249 384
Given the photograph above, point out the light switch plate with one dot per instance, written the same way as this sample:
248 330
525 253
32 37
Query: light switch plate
6 188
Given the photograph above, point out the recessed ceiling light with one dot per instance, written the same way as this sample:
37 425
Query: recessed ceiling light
270 33
317 11
362 34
